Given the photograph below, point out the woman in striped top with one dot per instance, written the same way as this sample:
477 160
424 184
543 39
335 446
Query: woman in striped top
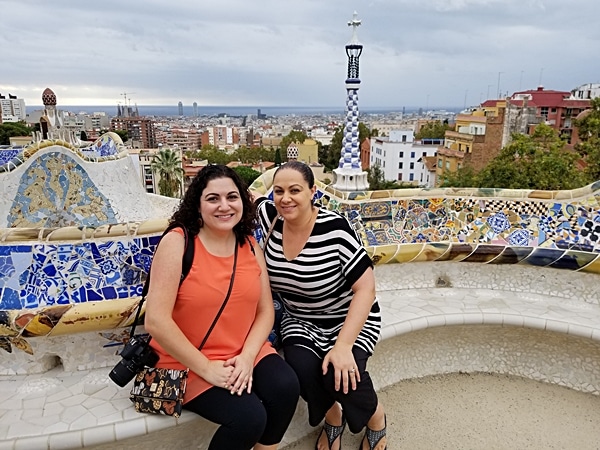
332 319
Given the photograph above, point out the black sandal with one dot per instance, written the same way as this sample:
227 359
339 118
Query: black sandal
332 432
373 437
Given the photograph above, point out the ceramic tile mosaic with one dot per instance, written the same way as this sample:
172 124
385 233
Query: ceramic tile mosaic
45 279
483 275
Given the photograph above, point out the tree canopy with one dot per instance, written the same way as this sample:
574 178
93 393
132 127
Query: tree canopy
247 174
8 130
537 161
589 134
433 130
167 165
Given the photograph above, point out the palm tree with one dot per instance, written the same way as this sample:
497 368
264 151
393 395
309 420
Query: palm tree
167 165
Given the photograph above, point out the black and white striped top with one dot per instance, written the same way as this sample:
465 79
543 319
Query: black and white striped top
316 286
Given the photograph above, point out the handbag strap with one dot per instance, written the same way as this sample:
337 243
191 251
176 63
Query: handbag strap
271 228
226 297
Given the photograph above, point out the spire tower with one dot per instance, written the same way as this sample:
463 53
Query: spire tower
349 175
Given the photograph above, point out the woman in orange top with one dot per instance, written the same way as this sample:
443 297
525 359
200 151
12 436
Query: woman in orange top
237 380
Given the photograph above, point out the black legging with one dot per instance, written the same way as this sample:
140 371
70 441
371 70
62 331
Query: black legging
319 390
259 417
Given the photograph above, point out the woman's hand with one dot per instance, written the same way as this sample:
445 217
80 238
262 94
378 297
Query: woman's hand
346 373
217 373
241 376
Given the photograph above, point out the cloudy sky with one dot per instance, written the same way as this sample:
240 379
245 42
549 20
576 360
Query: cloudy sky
428 53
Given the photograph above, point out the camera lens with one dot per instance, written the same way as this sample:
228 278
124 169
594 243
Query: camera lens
121 374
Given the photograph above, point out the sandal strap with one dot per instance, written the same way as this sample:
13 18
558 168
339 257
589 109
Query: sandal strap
373 437
333 432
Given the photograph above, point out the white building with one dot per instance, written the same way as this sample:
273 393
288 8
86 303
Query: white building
12 109
586 91
400 157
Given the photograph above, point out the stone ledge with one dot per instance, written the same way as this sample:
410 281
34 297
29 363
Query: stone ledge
425 331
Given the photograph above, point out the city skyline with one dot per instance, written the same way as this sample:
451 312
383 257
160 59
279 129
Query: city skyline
425 54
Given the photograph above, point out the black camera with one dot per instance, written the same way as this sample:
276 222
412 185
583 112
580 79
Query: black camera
136 355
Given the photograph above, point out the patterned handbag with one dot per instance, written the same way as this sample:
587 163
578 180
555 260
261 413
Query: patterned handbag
159 391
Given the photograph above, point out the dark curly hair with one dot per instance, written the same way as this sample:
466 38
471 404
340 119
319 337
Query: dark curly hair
188 212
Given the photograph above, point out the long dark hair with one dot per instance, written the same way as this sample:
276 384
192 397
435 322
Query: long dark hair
188 213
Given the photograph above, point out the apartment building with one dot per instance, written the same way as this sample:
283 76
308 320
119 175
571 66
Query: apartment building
12 109
222 136
182 138
140 130
555 108
398 155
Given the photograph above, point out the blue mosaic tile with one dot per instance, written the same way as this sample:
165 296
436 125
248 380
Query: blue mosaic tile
7 155
57 199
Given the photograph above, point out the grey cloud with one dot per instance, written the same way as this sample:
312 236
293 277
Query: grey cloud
277 53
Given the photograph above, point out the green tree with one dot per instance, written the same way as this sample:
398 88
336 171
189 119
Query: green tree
8 130
377 181
331 154
363 132
253 155
589 147
463 177
277 159
537 161
248 174
293 136
433 130
167 165
215 155
124 134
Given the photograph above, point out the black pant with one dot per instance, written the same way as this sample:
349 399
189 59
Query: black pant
262 416
319 390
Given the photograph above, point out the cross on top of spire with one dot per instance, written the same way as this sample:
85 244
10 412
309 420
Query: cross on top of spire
354 23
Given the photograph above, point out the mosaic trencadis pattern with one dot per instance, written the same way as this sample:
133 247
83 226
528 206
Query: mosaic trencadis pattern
103 148
56 191
45 287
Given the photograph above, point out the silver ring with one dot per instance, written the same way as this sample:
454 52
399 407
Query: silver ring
351 370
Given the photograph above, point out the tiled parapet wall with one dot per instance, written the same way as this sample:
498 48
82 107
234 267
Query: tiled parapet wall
84 279
558 229
54 184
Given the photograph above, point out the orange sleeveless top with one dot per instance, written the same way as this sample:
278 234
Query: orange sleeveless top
199 299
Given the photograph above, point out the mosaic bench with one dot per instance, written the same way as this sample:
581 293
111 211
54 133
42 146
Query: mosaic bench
448 317
469 280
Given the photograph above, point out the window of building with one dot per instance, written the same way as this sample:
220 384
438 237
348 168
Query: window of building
553 110
411 177
412 154
401 155
448 165
400 165
412 165
400 176
424 154
403 138
440 163
544 111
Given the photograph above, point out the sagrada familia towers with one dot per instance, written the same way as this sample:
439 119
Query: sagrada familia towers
349 175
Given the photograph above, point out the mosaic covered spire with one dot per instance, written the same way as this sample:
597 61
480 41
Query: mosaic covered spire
351 144
349 175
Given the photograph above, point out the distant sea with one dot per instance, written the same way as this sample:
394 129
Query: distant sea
167 110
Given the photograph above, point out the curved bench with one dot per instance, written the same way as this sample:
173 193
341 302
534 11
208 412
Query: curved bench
438 318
